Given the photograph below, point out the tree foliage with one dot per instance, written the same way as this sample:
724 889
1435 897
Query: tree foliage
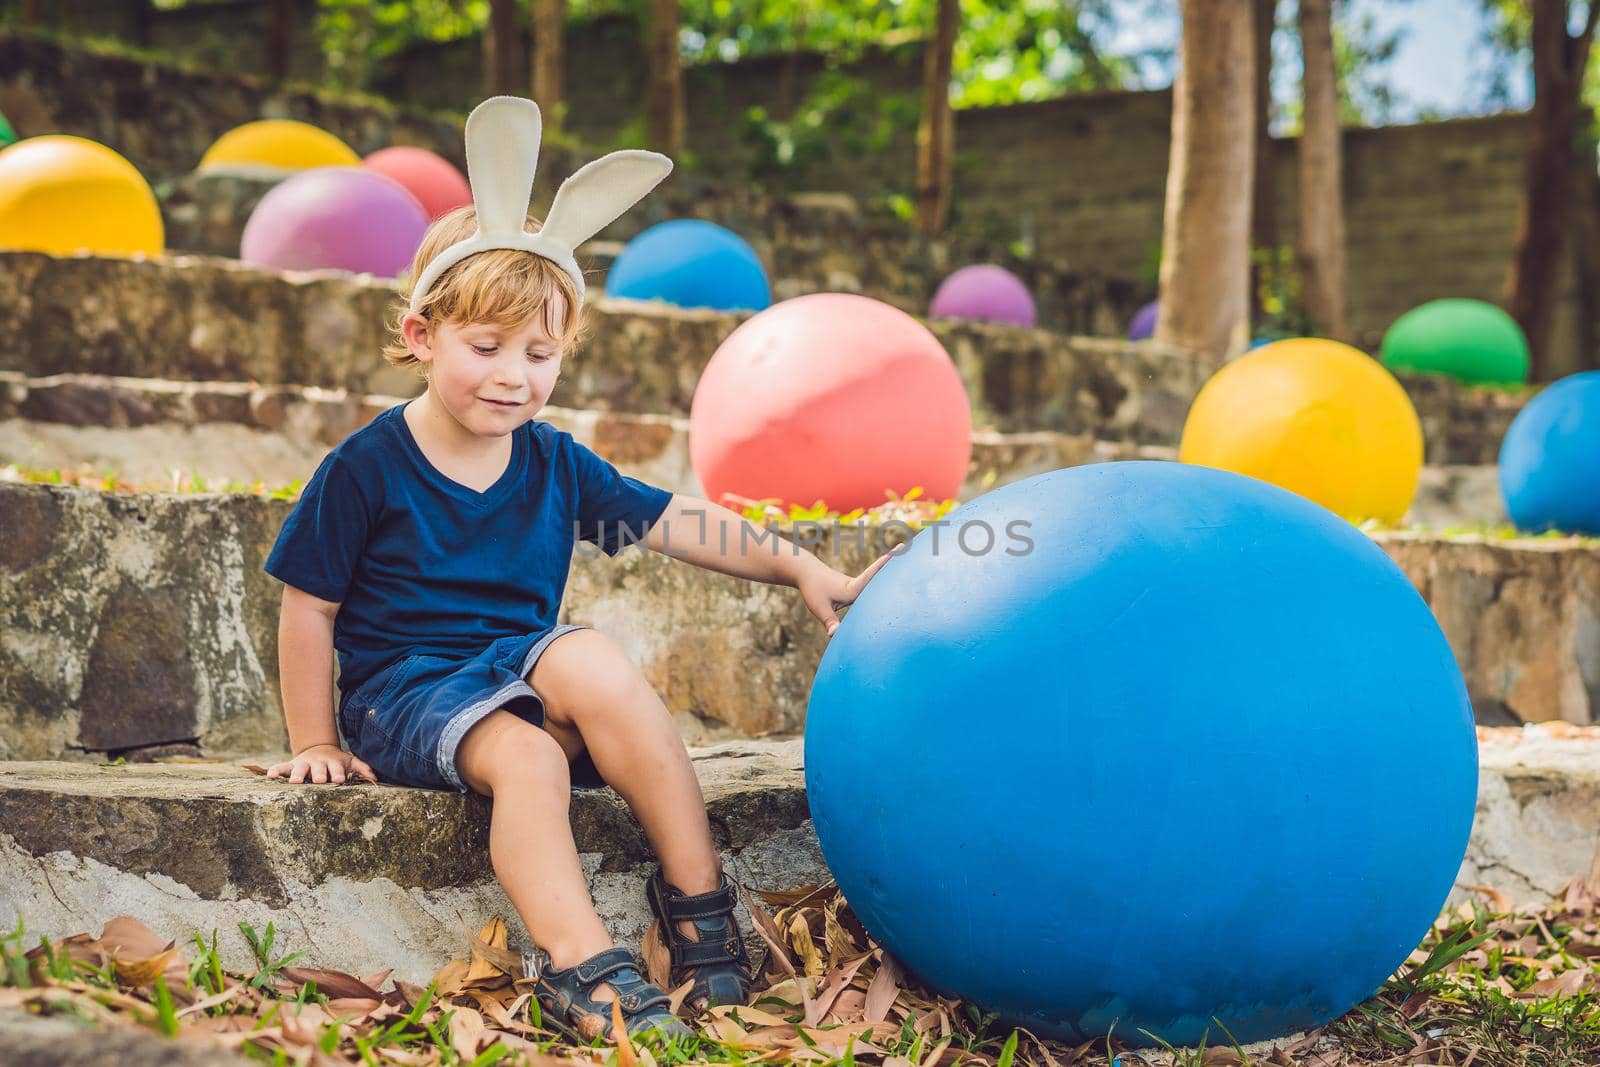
1008 51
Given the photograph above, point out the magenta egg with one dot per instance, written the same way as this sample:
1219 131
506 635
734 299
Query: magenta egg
336 218
984 292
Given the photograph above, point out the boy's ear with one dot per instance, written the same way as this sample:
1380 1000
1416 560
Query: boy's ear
415 329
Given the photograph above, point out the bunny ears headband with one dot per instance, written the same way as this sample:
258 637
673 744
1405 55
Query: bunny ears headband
502 153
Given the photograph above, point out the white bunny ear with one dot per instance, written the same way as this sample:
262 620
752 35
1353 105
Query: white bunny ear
502 153
600 191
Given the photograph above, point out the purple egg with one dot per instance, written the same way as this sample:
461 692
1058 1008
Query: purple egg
339 218
1143 325
984 292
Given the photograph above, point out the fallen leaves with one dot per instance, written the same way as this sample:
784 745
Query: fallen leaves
1486 988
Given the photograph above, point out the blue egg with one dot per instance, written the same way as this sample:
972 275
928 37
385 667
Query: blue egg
1129 746
691 263
1550 459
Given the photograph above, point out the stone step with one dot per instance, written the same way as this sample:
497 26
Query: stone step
203 319
354 874
96 587
371 877
150 432
144 429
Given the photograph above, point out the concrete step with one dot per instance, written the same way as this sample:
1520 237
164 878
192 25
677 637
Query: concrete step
152 433
201 319
95 586
370 877
357 873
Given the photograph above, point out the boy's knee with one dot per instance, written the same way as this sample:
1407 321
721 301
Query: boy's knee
505 748
591 672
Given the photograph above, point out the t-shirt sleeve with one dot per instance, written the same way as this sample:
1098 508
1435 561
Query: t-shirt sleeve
613 509
323 537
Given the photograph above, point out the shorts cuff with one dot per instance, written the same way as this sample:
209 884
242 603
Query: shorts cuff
470 716
543 643
457 727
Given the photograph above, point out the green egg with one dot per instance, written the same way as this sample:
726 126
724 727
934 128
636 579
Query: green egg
1469 340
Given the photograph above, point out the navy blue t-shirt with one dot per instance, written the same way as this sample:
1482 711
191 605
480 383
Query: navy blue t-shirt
423 564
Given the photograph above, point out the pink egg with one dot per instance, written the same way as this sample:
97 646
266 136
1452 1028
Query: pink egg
830 397
431 178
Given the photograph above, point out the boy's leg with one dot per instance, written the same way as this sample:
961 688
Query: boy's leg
596 698
525 773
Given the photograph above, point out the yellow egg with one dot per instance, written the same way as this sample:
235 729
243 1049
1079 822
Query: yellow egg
1316 417
63 194
281 143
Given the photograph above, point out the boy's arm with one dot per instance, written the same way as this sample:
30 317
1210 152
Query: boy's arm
711 536
305 673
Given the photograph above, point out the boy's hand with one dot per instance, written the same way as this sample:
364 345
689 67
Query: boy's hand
825 589
321 764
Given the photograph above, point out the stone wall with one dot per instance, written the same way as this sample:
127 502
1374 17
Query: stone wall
199 319
143 620
206 319
821 242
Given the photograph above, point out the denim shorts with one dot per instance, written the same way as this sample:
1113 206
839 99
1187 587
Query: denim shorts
407 721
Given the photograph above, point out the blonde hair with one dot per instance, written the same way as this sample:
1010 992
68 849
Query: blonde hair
503 286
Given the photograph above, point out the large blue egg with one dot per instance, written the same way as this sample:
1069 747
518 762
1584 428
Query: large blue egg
1179 745
691 263
1550 459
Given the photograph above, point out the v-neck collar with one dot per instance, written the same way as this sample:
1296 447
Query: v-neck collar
443 482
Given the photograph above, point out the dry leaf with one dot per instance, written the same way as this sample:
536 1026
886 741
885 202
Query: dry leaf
657 958
331 984
446 983
138 973
466 1032
831 989
490 956
884 988
1500 901
804 946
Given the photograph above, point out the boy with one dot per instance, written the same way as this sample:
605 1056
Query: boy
431 549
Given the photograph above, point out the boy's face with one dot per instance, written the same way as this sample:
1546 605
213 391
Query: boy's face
491 379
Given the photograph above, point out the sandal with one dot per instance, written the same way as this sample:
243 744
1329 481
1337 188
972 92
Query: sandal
567 1007
717 961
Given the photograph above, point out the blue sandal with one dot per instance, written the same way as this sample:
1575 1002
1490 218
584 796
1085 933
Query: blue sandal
717 962
567 1007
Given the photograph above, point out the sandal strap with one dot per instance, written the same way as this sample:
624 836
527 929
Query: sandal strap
567 991
704 953
711 905
717 961
604 964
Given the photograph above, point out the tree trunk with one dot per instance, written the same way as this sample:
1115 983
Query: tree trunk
936 129
1205 254
664 105
789 74
28 14
500 49
280 38
548 60
1559 61
1264 208
1320 245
